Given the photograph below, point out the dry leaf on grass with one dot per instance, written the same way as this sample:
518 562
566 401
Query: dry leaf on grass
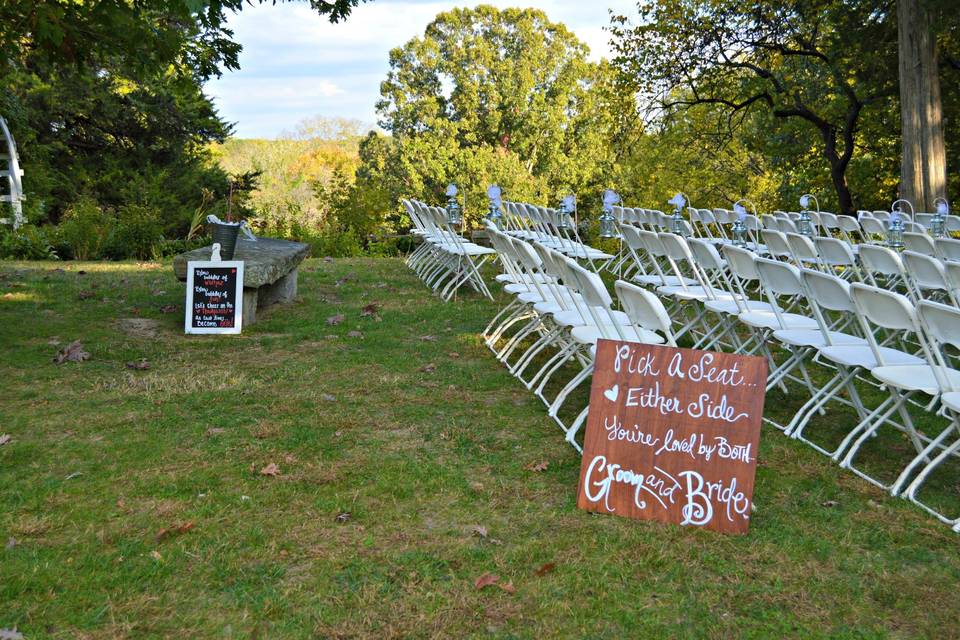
480 531
85 295
174 530
5 438
327 259
380 285
829 503
140 365
168 308
10 634
342 517
370 310
156 555
539 466
270 470
11 543
329 398
73 352
545 569
508 587
214 431
354 334
337 319
337 433
486 580
428 368
429 338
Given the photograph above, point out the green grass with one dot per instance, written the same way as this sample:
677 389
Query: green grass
418 459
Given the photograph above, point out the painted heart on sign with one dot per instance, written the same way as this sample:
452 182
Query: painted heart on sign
612 393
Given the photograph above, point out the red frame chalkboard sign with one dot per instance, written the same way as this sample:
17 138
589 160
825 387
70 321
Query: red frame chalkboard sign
672 435
214 297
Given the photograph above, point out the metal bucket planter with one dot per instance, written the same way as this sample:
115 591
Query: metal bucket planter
226 234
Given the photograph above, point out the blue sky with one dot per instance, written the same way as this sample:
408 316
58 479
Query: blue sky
296 65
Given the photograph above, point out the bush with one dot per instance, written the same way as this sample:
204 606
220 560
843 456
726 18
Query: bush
332 240
138 234
86 229
27 243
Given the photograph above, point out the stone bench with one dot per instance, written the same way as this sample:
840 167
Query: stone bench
269 271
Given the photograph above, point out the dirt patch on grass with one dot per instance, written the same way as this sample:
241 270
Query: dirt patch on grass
139 327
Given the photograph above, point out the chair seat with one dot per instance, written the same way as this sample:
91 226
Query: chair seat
814 338
862 356
770 320
916 377
665 281
729 306
554 307
527 277
573 318
591 333
695 293
951 400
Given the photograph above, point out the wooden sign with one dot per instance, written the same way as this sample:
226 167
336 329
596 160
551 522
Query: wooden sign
672 435
214 297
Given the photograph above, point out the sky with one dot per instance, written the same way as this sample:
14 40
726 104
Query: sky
296 65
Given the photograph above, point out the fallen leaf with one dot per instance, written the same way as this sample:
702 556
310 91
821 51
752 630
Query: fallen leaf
85 295
545 569
73 352
476 486
508 587
331 336
214 431
342 517
158 293
121 504
5 438
81 272
173 530
168 308
53 342
370 309
140 365
453 354
429 338
327 259
428 368
10 634
11 543
341 281
337 319
480 531
829 503
329 398
75 474
486 580
156 555
380 285
338 433
270 470
539 466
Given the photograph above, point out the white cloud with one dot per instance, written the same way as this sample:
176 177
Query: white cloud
296 65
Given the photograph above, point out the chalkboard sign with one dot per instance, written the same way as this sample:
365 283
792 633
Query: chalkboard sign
214 297
672 435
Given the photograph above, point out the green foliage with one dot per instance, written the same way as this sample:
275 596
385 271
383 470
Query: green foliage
85 230
137 235
26 243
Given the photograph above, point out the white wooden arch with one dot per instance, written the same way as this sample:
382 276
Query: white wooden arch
10 177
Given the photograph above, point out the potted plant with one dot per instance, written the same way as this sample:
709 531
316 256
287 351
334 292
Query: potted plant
226 232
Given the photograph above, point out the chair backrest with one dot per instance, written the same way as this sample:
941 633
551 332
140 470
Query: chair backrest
873 226
740 262
926 273
941 321
887 309
829 220
776 242
645 310
947 248
778 277
834 252
877 259
802 248
919 242
827 290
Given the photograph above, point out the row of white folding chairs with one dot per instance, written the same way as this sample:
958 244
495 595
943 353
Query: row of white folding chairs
445 260
808 312
552 228
560 310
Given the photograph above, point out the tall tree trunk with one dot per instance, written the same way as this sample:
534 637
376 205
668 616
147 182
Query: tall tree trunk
923 170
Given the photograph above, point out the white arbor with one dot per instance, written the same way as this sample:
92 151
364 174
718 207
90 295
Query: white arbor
13 174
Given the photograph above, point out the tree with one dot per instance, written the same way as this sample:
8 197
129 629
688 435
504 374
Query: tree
924 162
820 62
490 95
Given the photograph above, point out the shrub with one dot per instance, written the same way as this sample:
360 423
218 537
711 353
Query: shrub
86 229
136 235
26 243
332 240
